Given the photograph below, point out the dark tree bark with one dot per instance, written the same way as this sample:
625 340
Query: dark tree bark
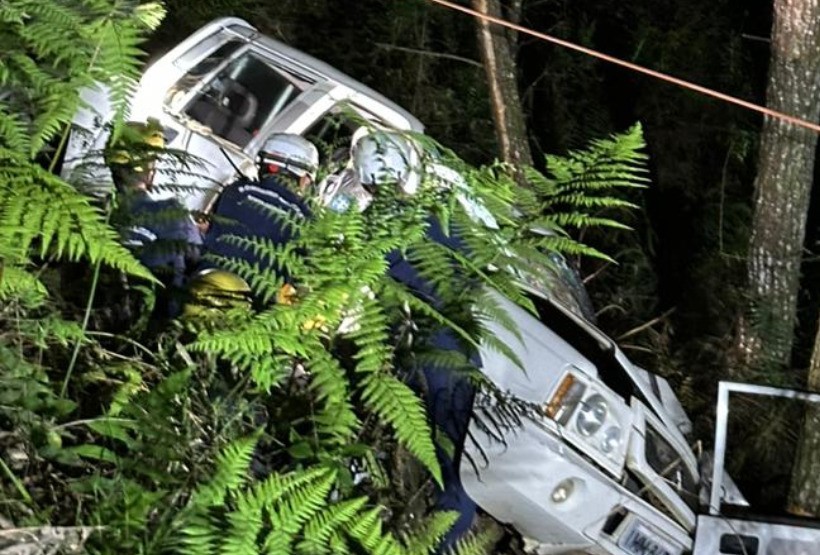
782 187
499 64
804 495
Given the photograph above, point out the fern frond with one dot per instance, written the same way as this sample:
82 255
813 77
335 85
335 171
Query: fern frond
324 525
14 131
75 45
245 523
493 343
444 359
371 338
488 309
276 487
301 504
399 406
39 209
367 531
586 200
476 544
17 283
427 534
427 310
231 473
337 421
576 220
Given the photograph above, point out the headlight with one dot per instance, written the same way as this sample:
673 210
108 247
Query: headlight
592 415
566 397
611 440
595 421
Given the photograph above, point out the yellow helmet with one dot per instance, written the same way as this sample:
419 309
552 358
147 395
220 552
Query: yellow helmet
135 144
213 291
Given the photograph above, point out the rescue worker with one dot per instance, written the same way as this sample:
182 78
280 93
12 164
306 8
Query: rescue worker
340 190
388 159
287 165
161 233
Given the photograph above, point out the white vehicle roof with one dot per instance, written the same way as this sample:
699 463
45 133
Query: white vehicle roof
309 64
289 56
178 87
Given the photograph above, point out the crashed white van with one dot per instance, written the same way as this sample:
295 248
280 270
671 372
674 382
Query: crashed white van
222 91
603 466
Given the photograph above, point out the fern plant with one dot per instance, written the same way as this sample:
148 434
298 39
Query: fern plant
51 51
295 513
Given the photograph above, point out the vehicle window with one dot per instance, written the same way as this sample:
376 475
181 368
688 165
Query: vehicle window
763 463
668 463
332 135
241 98
333 132
215 58
195 75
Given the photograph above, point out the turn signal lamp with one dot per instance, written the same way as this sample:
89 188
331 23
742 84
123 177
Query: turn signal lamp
565 399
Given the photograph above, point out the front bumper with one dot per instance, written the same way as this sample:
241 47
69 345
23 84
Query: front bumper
554 496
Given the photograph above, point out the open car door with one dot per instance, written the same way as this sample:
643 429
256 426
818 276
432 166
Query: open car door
735 526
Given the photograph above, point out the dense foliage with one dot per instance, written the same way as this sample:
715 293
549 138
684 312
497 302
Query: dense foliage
291 429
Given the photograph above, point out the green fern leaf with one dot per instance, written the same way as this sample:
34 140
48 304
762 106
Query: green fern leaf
399 406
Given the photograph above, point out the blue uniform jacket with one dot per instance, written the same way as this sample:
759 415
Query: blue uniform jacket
449 396
161 234
249 209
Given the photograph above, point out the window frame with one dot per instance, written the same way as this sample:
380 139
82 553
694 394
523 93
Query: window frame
178 109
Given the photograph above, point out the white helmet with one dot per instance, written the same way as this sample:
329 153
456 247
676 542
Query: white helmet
289 152
382 157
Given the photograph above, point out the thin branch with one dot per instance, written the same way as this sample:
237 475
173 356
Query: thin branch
637 348
610 308
646 325
128 340
755 38
596 273
431 53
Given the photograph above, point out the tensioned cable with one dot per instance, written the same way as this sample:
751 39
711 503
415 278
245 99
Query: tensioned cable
634 67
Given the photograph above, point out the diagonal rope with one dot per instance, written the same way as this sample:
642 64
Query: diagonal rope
634 67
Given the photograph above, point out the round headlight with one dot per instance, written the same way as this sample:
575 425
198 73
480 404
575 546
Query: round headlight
611 439
592 415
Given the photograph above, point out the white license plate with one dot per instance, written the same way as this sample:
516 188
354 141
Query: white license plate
639 540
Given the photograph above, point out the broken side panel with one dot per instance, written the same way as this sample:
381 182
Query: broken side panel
763 521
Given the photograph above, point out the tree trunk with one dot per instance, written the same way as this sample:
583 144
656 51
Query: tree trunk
804 496
782 187
499 64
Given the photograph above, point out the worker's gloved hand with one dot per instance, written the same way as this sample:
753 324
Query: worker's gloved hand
286 295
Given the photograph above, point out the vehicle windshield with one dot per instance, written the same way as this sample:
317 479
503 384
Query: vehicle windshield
241 98
669 465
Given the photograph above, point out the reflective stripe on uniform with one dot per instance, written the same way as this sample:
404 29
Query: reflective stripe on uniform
284 206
